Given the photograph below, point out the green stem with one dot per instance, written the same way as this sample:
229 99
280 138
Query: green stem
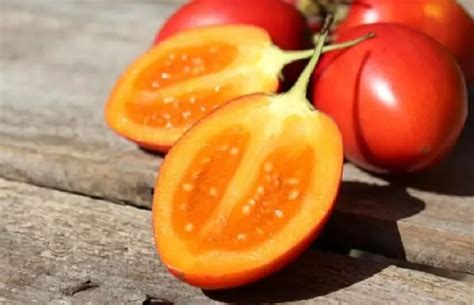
291 56
347 44
298 91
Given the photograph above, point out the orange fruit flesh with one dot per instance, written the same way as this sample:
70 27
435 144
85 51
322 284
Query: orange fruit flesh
261 212
245 190
186 77
183 63
148 107
179 110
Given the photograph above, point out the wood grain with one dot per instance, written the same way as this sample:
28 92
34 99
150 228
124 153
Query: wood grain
61 248
59 61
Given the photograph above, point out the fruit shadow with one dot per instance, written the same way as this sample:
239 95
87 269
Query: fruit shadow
151 152
365 218
313 274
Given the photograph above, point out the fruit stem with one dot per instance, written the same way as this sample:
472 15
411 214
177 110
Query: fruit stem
298 91
291 56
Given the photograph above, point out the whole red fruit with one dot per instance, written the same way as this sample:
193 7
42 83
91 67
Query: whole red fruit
285 24
399 99
443 20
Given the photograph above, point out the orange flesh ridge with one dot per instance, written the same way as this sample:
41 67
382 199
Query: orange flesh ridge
148 105
200 189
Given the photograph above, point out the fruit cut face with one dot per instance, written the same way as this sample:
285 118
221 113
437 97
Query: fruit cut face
275 196
244 190
186 77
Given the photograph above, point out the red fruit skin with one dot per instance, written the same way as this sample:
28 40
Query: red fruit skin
443 20
285 24
399 99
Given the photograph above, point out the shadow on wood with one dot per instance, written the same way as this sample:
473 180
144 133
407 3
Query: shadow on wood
151 152
453 176
313 274
379 233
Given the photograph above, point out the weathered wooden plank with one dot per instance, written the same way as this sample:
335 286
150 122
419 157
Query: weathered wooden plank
58 61
468 5
413 225
58 247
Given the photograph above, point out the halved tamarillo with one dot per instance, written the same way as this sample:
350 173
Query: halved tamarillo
248 187
179 81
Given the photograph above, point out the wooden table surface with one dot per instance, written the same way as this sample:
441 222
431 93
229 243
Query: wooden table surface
74 197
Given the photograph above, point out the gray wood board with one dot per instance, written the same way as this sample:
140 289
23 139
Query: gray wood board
59 60
60 248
